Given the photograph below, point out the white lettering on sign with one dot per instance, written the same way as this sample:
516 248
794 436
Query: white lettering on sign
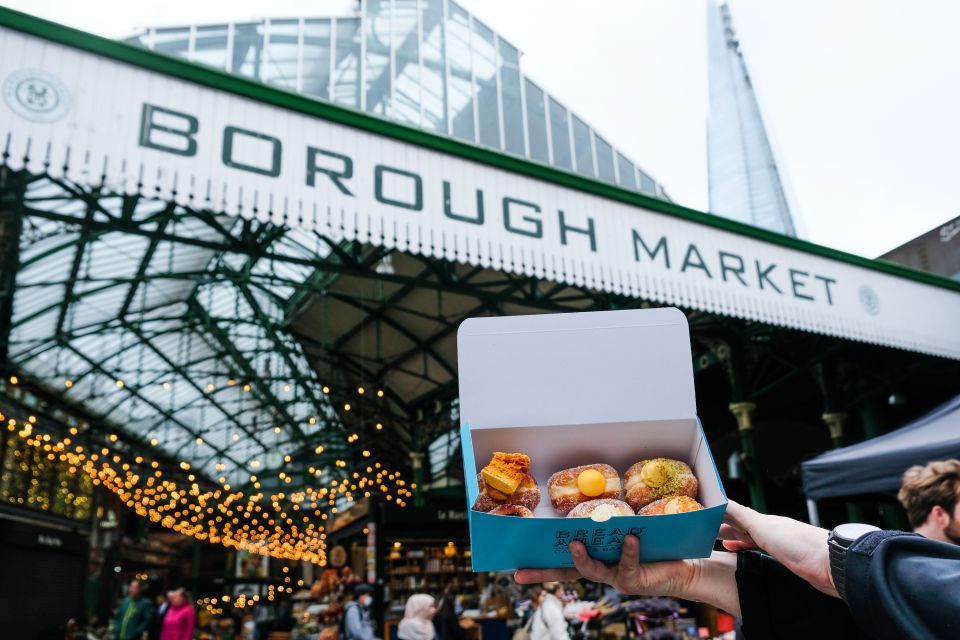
49 541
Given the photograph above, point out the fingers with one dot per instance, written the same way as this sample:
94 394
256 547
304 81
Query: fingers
728 532
731 533
588 567
531 576
737 545
737 514
629 565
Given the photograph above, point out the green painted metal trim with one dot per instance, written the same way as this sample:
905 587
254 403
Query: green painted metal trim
252 89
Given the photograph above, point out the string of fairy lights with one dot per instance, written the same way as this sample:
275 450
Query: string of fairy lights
284 525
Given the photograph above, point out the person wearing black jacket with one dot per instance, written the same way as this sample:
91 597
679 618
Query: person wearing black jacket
447 620
895 585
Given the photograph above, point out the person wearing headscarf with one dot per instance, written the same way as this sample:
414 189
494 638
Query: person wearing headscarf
548 620
417 623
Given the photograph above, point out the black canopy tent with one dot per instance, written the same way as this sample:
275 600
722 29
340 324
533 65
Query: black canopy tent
877 465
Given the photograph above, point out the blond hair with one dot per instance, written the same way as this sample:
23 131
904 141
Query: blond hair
927 486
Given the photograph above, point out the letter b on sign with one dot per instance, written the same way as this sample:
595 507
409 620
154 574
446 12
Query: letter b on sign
168 130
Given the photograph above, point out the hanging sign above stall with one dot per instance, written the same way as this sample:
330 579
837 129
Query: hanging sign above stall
105 114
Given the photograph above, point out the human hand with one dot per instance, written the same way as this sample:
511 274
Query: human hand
800 547
708 580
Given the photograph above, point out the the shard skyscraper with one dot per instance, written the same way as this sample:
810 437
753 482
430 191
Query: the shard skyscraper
744 181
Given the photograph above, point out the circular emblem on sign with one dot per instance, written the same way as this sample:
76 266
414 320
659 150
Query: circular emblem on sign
338 556
869 300
36 95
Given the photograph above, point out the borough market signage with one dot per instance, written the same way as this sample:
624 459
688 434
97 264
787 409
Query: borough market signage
95 119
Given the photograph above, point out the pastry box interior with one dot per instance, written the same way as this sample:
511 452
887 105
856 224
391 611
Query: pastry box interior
609 388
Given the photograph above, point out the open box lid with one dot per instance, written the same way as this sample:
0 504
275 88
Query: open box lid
575 368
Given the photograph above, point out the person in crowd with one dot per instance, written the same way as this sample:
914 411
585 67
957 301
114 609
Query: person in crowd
134 614
447 620
161 604
931 496
357 624
417 622
329 633
449 624
548 620
897 585
248 628
180 620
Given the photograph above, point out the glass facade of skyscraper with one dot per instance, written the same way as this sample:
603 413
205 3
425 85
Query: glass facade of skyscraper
425 63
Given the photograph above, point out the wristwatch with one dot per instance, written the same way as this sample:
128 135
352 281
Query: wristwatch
838 542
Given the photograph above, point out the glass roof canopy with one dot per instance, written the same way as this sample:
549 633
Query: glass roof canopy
179 344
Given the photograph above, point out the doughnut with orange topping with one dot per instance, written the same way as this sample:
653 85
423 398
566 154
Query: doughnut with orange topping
571 487
669 506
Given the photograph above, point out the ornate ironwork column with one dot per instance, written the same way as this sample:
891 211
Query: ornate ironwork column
743 412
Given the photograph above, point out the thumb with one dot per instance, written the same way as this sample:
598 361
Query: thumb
740 516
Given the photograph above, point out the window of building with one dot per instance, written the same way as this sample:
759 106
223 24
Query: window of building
583 148
406 46
560 135
628 174
346 69
210 47
247 50
485 74
510 95
316 58
175 42
433 84
647 185
377 57
536 122
280 56
460 64
604 159
440 452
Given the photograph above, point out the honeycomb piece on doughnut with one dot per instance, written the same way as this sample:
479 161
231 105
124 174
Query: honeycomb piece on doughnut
506 471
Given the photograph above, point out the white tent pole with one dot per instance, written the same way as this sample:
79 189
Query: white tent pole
813 515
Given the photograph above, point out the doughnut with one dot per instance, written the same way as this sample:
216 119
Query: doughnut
601 510
668 506
527 495
516 510
570 487
650 480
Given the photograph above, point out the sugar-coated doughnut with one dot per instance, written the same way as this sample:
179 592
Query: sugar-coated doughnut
516 510
650 480
566 488
527 495
669 506
601 510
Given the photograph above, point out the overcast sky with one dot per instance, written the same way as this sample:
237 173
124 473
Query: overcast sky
861 97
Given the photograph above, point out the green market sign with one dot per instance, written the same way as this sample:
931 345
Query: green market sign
97 120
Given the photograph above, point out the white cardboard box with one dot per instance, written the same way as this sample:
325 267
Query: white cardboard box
568 389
